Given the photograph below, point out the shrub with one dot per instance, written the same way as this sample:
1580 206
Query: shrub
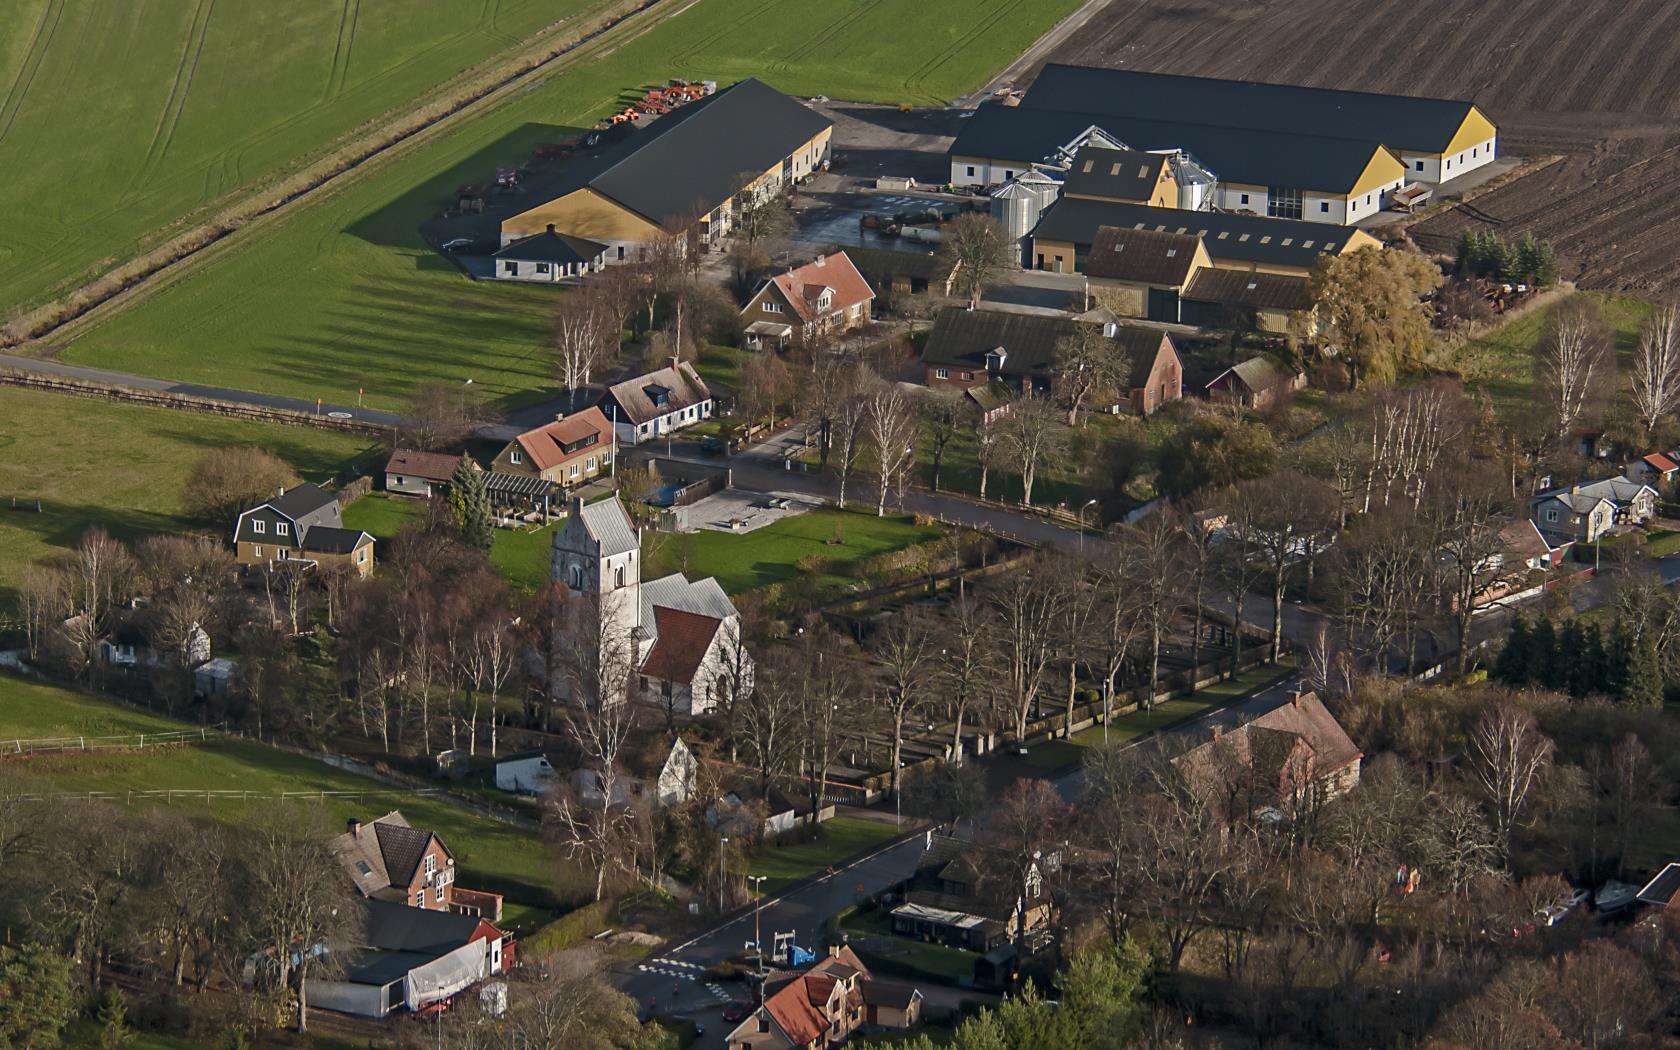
567 931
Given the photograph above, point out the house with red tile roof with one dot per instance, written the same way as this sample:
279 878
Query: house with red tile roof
413 473
568 452
1656 469
825 296
824 1005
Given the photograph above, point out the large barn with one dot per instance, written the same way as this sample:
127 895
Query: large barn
1275 149
682 174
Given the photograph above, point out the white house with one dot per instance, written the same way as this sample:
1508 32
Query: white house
658 403
525 773
549 258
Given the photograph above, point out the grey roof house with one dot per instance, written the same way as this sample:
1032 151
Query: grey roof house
658 403
1586 512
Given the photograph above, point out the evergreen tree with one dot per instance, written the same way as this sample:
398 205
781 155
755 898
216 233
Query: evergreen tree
1505 263
1545 264
1643 686
1465 264
470 506
1528 258
1514 665
1565 657
1590 669
1543 654
36 1000
114 1032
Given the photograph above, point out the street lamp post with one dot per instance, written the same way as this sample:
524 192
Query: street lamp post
758 936
1088 505
723 847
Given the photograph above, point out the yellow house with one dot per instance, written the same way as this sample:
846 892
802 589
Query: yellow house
683 174
300 525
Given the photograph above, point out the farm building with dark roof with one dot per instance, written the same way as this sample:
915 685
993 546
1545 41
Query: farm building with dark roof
682 174
1277 150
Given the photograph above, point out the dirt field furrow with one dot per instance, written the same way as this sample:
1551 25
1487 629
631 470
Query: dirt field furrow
1597 81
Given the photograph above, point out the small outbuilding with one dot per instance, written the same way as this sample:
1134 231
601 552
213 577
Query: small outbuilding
549 257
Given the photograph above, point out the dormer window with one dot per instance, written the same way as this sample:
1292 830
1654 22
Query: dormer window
660 396
516 456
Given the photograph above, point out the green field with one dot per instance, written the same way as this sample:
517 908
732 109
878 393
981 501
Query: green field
119 120
771 554
31 711
493 856
841 838
1502 362
342 294
121 467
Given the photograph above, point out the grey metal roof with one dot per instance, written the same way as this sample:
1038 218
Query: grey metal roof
1400 121
518 485
398 927
609 526
1127 174
701 597
695 156
552 247
1238 238
1582 498
328 539
1261 158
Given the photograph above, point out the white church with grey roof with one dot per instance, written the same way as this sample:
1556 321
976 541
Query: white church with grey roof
671 641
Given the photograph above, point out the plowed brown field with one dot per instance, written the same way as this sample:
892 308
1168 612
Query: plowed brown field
1595 80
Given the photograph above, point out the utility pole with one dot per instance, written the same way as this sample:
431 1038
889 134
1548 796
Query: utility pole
723 844
758 941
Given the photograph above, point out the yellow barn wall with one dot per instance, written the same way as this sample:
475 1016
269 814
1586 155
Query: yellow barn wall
582 213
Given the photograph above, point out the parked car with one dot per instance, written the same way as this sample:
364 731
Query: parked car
457 244
737 1010
714 446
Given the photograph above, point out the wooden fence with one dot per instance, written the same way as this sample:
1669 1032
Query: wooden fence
128 742
184 402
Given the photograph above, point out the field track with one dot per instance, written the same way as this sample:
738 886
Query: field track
1597 81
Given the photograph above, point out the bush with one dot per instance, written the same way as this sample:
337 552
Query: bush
567 931
815 564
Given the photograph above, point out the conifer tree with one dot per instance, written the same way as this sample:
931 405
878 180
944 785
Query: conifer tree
470 506
1543 654
1513 665
1643 686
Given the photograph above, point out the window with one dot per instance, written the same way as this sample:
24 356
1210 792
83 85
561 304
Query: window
1008 174
1551 514
256 552
431 864
771 308
1367 201
1282 202
1419 165
941 373
542 267
1245 198
420 899
439 893
361 555
590 465
1323 205
618 576
1449 163
971 171
574 470
259 527
968 375
621 251
577 577
516 456
282 529
1473 152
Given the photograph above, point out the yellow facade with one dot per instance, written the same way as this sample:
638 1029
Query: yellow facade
1384 170
1475 130
262 555
582 213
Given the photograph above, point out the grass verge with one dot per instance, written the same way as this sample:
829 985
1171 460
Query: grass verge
837 840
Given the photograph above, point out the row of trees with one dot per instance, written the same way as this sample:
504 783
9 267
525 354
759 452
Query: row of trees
1580 658
1489 255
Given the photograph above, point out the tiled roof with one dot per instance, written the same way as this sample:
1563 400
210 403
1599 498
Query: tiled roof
1272 291
1662 462
683 639
1662 889
1524 539
962 337
545 446
384 853
402 846
801 287
1142 256
302 500
436 467
680 386
1298 720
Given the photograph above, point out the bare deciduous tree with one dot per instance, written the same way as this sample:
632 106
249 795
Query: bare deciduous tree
1032 432
988 449
942 414
967 662
904 651
975 252
585 335
892 429
299 899
1086 362
1508 754
1656 366
1028 604
1573 365
225 482
849 417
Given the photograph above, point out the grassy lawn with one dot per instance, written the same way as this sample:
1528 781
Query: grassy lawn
122 120
493 856
841 838
938 961
121 467
520 555
771 554
1060 754
342 294
32 711
1502 362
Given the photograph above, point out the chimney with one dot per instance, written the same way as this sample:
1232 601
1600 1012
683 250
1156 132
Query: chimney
577 506
551 227
675 361
1295 697
279 490
822 260
1218 731
353 826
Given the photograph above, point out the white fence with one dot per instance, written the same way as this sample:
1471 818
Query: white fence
128 742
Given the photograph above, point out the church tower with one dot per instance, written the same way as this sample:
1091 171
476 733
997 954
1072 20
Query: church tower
597 556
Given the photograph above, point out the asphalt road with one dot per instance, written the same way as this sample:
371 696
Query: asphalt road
674 980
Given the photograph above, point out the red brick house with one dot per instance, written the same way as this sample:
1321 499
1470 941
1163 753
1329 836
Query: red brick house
390 860
824 296
1255 383
970 348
